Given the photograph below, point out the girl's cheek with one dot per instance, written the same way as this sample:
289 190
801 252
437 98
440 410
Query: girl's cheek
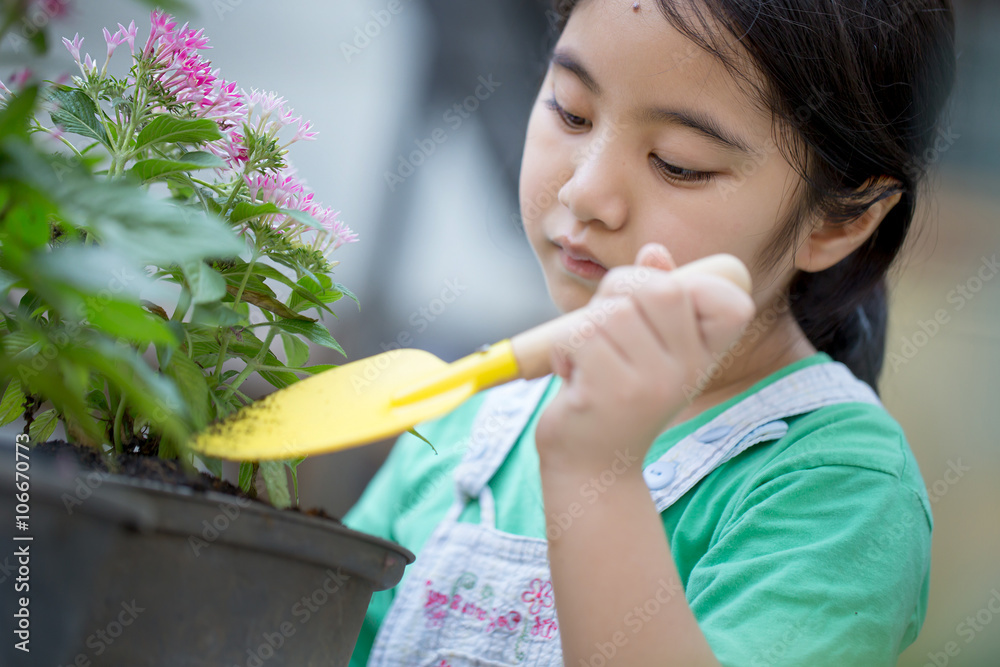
545 168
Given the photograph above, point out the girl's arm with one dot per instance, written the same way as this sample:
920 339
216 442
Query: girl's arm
616 588
617 592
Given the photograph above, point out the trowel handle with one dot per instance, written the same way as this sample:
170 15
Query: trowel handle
533 348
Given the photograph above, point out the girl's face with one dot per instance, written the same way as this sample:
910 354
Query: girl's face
637 136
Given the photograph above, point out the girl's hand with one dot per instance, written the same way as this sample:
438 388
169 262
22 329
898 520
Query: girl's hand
624 382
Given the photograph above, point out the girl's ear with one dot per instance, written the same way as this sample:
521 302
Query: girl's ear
829 242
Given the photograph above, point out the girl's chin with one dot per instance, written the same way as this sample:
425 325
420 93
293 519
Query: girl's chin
568 296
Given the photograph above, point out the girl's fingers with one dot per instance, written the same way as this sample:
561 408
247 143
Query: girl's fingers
655 256
629 331
723 309
668 307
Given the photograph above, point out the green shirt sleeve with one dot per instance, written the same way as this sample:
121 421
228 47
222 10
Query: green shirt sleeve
820 566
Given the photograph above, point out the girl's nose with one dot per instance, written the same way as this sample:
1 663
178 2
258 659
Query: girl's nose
596 190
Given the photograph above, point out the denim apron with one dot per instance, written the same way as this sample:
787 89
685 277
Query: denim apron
480 597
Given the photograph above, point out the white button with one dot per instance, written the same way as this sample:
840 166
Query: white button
713 434
659 474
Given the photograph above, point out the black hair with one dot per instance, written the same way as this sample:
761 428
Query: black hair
862 85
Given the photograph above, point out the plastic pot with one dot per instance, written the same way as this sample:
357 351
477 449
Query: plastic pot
133 573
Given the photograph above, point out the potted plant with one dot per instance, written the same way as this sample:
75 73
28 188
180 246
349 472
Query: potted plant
148 267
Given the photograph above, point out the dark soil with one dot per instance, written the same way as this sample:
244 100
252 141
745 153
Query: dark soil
142 466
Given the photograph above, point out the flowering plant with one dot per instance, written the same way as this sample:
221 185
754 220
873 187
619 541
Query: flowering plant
232 228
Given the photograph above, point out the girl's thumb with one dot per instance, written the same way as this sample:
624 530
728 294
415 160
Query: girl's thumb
655 256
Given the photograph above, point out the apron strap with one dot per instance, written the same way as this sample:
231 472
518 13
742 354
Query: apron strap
501 419
758 418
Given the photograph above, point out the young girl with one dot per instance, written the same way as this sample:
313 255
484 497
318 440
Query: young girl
709 478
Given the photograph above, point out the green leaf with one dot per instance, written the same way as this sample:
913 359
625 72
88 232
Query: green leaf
217 315
296 351
131 321
213 465
313 331
12 405
147 170
7 281
171 129
413 431
207 285
319 368
303 218
244 211
300 294
247 346
78 273
204 158
278 380
246 476
23 343
293 465
150 395
348 293
149 230
98 401
14 117
276 481
77 113
267 303
191 383
43 425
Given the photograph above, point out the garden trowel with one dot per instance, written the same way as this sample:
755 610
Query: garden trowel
381 396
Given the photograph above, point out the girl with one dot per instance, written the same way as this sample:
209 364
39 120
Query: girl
705 480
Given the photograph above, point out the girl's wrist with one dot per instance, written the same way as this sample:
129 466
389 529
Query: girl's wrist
565 474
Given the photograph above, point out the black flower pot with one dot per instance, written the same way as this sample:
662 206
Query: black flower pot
129 573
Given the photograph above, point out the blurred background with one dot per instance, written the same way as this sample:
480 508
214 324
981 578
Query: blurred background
443 264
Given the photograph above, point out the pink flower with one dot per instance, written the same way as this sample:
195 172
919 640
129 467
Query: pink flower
287 191
160 26
128 35
303 133
538 596
74 46
20 78
112 40
52 8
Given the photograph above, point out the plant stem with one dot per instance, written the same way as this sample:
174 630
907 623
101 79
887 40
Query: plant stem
237 186
280 369
116 430
238 380
236 299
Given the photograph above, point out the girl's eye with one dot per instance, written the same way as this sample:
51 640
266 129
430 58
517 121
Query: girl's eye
679 173
571 121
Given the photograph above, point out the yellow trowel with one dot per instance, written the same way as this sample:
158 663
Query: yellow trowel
384 395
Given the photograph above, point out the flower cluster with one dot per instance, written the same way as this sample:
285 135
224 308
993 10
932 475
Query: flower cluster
171 71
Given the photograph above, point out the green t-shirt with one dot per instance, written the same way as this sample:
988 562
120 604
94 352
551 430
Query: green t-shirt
809 550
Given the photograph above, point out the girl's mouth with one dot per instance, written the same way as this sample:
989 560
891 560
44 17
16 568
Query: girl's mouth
578 260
